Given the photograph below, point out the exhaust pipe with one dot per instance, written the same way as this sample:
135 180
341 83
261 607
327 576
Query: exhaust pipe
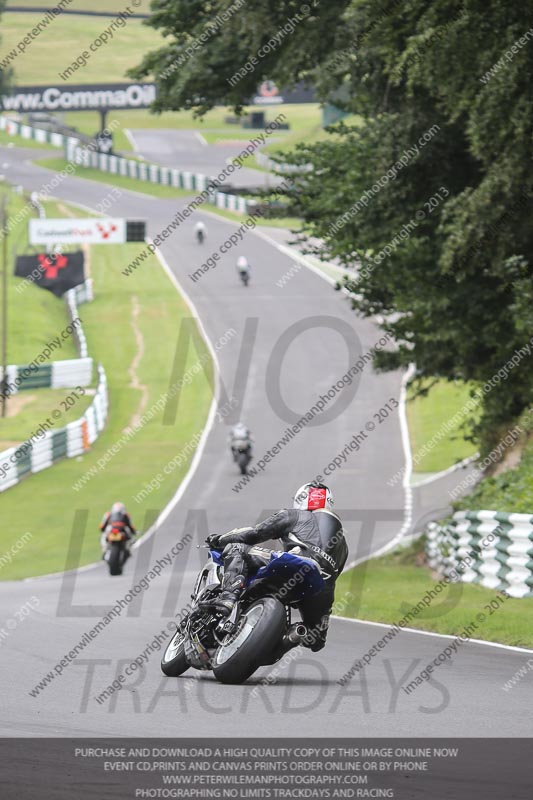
296 634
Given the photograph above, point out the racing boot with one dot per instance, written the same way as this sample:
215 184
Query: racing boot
226 602
230 594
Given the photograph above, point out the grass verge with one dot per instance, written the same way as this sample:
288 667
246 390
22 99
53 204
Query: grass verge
132 327
426 417
61 43
385 589
282 222
108 6
35 316
28 408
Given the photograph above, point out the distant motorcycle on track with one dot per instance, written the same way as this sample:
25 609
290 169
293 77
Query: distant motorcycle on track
116 553
243 268
242 453
200 232
241 441
260 626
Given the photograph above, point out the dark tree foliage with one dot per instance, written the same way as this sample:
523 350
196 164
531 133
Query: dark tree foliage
442 248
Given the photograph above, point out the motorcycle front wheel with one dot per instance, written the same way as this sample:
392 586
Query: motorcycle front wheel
260 630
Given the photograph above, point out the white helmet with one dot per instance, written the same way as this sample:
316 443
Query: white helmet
242 262
313 496
240 430
118 508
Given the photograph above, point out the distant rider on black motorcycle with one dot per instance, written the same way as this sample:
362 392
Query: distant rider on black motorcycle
310 530
117 519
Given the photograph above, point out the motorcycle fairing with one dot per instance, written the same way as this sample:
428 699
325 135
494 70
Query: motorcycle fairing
284 566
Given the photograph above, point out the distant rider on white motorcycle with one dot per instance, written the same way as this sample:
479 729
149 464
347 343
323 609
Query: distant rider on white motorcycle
243 268
200 231
240 438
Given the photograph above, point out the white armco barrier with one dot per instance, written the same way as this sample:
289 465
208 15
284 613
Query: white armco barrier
154 173
491 548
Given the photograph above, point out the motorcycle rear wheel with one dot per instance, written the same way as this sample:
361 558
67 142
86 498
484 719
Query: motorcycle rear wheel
261 629
242 461
116 559
174 662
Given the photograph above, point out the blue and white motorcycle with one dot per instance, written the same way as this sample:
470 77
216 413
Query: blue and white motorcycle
261 626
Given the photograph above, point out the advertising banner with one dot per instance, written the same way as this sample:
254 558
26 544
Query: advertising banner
80 97
77 231
57 272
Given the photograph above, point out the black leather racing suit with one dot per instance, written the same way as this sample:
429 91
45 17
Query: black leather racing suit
120 521
317 535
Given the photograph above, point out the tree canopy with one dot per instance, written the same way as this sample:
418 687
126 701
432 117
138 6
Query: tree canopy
428 197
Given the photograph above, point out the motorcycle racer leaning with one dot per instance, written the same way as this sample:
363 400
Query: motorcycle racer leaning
310 530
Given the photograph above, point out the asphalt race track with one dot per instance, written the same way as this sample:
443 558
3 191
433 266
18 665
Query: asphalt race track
464 698
188 150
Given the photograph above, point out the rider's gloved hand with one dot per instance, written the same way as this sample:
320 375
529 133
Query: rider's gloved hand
213 540
316 637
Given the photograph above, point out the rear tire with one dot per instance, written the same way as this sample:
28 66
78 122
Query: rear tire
243 460
115 560
174 662
257 644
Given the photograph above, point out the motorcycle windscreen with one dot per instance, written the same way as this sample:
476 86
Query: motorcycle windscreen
294 577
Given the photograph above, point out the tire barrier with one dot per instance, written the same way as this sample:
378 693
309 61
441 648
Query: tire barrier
45 447
491 548
65 374
153 173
